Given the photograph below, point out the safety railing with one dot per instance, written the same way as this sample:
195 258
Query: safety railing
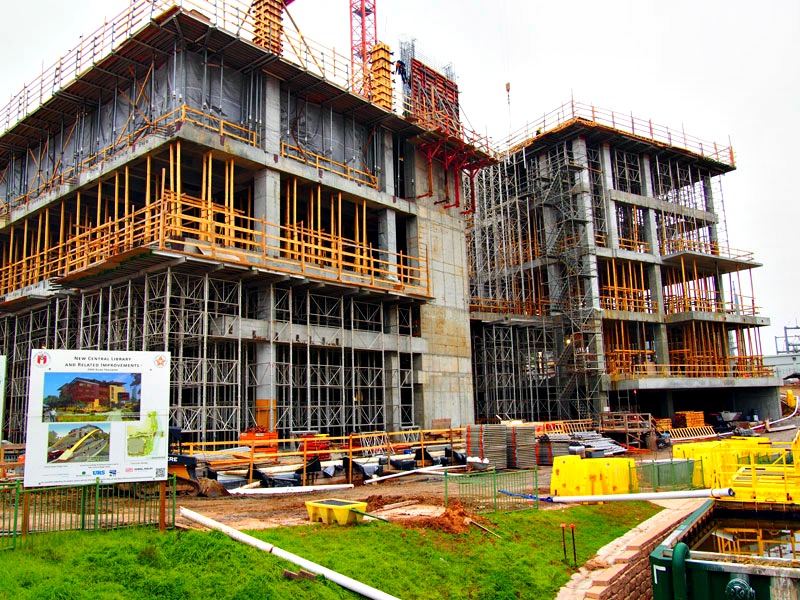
492 491
744 305
25 511
326 164
634 245
619 362
512 307
233 16
571 111
740 366
678 246
191 226
623 421
302 450
636 302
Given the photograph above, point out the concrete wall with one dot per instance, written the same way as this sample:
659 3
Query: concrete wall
446 368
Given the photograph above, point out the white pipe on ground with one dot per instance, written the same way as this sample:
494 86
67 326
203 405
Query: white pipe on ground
435 469
707 493
794 412
290 489
342 580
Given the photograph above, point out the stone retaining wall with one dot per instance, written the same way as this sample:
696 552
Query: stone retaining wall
621 569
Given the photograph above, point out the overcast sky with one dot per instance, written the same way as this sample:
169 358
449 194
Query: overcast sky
718 69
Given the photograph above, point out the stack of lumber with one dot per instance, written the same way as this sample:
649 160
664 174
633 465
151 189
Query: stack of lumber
689 419
663 424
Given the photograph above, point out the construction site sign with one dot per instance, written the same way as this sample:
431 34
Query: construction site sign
96 415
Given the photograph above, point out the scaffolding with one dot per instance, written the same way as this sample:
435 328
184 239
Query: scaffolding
142 217
531 256
599 258
201 180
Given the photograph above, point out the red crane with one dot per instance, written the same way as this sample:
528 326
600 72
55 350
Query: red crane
363 36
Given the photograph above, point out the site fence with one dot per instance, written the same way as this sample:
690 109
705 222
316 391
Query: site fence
25 511
493 491
665 475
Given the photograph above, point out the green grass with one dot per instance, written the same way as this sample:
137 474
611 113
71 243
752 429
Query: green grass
408 563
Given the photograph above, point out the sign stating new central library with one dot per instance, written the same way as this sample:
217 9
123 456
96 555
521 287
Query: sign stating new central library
96 415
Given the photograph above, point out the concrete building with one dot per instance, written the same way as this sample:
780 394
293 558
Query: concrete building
601 276
203 181
322 246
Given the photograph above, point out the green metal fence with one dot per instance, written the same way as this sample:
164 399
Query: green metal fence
493 491
91 507
665 475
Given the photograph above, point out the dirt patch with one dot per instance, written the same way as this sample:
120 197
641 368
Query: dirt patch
377 502
380 502
454 519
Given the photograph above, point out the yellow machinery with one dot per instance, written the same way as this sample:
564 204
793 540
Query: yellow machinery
332 509
757 469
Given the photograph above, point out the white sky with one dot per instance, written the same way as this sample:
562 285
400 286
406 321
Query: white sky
718 68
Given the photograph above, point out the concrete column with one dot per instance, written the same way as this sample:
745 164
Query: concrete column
387 239
446 369
659 329
651 230
584 200
611 206
391 391
272 117
267 206
265 393
387 165
647 180
412 236
669 406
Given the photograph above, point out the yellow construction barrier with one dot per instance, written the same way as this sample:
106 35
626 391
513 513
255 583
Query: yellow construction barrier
757 469
575 476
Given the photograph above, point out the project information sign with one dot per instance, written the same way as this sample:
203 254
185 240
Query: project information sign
97 415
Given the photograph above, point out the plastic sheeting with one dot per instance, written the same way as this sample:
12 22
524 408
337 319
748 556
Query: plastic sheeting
200 82
184 78
320 130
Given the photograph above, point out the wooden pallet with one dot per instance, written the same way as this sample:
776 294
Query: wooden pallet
692 433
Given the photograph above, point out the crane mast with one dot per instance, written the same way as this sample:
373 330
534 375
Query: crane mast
363 37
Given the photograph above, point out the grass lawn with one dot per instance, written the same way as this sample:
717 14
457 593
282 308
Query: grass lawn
408 563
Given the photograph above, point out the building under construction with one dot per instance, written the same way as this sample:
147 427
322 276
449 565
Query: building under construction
322 246
601 276
201 179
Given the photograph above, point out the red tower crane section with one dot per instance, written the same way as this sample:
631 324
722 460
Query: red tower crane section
363 36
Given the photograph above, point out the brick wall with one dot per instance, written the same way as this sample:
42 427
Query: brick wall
629 573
